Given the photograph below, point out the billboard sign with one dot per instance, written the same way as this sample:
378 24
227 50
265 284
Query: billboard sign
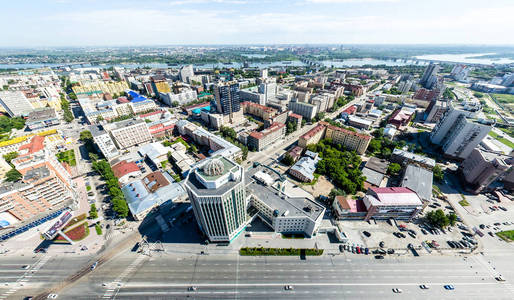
58 225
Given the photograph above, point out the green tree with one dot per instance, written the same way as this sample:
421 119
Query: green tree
452 218
93 213
10 156
438 173
85 135
437 218
303 122
374 146
13 175
394 169
287 160
174 104
291 127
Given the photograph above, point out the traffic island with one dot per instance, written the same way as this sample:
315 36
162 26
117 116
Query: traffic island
260 251
507 236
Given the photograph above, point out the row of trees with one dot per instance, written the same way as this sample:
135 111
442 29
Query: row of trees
65 105
340 165
231 135
119 205
12 175
291 127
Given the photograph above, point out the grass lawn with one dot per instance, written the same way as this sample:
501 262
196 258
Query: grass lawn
501 139
98 229
180 140
68 157
506 235
504 98
76 234
314 181
463 203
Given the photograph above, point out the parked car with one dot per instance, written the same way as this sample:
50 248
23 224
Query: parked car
367 234
379 257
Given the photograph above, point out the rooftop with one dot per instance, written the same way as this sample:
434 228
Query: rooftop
41 115
346 131
392 196
294 206
260 134
309 134
123 168
419 180
377 164
35 145
350 204
414 157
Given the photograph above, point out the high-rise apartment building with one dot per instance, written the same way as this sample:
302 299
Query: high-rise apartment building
458 135
186 72
15 103
429 78
226 95
216 190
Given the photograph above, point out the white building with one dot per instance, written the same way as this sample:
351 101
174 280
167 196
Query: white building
15 103
104 142
186 72
217 193
182 98
129 133
305 110
457 134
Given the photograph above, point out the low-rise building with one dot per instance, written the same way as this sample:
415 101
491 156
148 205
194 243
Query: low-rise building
419 180
375 170
283 211
358 122
259 140
401 117
41 118
348 208
304 168
155 152
154 190
125 171
260 111
405 158
129 133
399 203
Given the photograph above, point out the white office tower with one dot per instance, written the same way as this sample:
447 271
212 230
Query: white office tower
264 73
217 193
186 72
457 134
15 103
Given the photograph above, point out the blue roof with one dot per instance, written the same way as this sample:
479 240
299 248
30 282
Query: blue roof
199 110
135 96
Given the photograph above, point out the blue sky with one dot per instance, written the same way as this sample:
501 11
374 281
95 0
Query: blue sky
36 23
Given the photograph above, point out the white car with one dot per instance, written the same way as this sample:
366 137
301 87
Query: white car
52 296
397 291
25 267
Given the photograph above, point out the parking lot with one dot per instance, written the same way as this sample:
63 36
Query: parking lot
400 235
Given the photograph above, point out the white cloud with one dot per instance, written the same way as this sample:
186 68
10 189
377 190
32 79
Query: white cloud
189 2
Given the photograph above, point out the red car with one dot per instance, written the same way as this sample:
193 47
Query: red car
358 250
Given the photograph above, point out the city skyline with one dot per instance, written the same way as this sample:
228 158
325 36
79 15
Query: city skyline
135 23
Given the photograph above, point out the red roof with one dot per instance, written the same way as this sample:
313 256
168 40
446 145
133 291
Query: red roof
363 136
313 131
350 110
262 107
35 145
123 168
296 116
274 127
123 100
386 190
151 113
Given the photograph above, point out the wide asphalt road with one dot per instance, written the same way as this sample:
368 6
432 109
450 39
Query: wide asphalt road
166 276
